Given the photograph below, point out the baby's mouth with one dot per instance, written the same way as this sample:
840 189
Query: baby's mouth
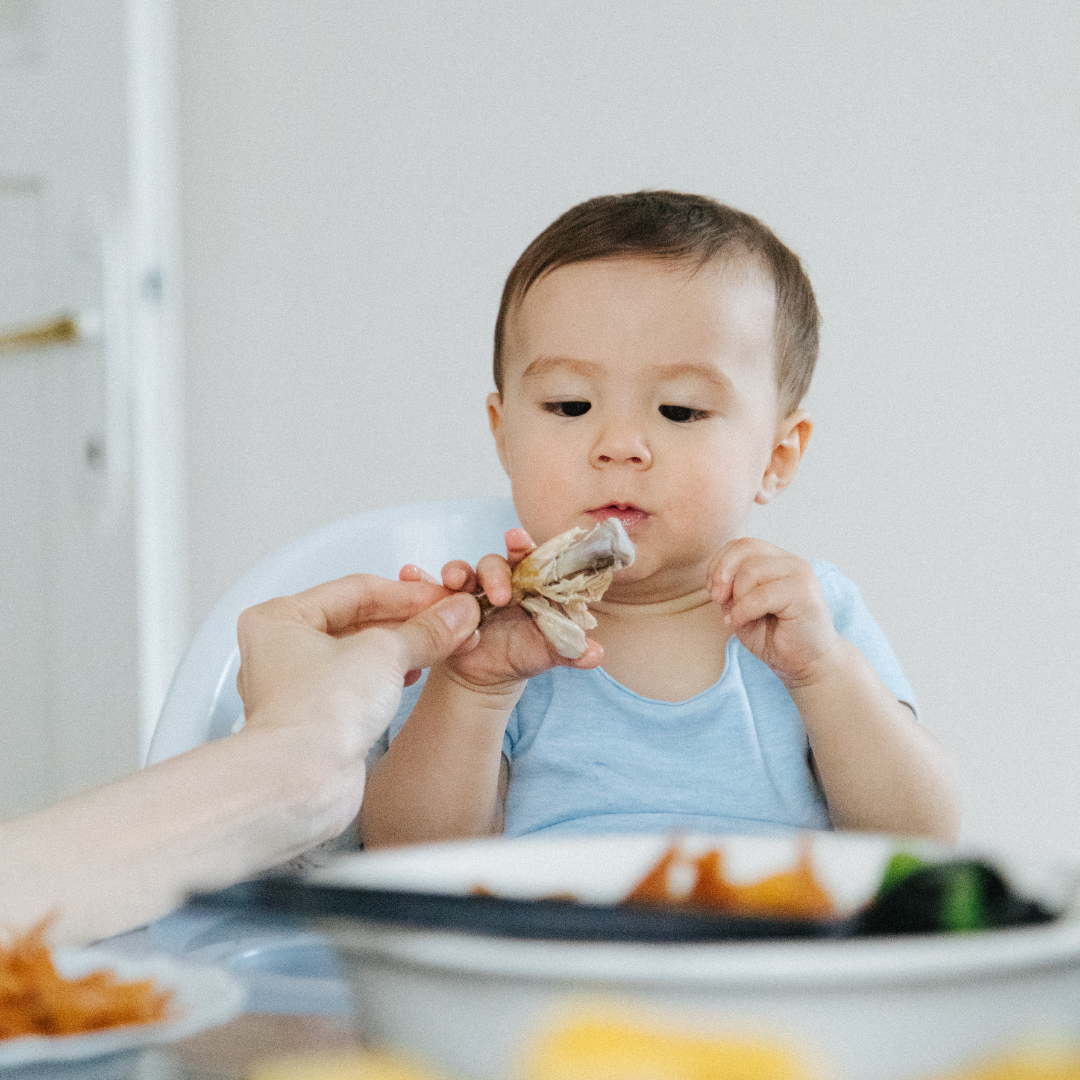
627 513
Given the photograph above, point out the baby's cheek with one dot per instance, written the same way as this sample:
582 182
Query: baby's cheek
535 512
545 505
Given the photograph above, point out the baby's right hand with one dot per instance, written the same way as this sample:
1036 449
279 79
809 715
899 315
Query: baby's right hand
511 648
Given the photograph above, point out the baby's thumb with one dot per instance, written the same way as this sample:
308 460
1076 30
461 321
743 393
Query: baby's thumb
434 634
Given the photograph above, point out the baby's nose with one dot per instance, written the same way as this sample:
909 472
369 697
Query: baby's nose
621 446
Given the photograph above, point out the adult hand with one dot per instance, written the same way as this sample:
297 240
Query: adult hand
321 676
342 651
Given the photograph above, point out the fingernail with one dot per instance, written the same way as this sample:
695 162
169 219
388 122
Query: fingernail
456 611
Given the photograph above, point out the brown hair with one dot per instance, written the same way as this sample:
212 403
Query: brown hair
692 228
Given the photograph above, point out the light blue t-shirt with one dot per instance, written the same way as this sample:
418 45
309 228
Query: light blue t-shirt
589 755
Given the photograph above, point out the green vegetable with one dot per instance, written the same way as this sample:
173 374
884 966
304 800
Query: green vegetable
903 864
962 900
952 897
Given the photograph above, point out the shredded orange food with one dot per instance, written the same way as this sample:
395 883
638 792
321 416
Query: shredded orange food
792 894
35 999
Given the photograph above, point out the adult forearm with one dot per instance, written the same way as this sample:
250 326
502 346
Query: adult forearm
439 780
880 770
320 676
119 856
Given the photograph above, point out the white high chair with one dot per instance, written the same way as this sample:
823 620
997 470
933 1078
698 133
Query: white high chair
202 703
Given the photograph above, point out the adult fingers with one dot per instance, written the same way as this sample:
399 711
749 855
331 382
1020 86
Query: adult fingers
435 633
347 604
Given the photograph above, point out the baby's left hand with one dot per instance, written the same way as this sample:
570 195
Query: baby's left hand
773 602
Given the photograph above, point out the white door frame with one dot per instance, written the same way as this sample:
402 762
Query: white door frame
156 355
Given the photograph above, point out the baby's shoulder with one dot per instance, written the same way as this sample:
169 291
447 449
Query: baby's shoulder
849 611
840 591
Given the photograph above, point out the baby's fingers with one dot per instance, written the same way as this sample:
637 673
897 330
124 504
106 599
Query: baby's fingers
459 576
518 544
593 656
726 566
717 585
743 564
767 598
493 573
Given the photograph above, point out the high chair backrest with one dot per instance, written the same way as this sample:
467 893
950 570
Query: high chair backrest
202 703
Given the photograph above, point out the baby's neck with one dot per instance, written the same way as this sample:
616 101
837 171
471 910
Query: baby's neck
675 606
668 650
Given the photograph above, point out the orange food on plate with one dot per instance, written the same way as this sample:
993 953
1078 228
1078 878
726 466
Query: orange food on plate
655 886
789 894
35 999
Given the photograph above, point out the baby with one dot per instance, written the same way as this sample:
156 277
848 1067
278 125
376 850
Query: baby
651 354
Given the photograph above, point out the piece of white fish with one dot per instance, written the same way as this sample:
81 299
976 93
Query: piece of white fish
556 582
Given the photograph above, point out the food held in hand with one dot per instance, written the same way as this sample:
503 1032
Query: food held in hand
35 999
789 894
556 582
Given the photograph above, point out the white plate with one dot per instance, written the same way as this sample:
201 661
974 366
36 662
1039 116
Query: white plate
602 869
203 997
887 1008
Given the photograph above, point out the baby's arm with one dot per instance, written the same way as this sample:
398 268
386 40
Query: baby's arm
444 775
880 770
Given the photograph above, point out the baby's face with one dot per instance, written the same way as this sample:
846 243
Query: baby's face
645 391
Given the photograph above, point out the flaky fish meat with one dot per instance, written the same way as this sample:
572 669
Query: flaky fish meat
556 582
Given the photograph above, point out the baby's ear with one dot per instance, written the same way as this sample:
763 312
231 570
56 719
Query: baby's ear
792 434
495 419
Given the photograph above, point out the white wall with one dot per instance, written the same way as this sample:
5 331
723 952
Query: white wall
358 179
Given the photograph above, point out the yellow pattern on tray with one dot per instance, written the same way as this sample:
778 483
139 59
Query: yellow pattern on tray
1036 1062
355 1065
604 1048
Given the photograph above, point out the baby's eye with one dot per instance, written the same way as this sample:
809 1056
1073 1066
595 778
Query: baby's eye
568 408
682 413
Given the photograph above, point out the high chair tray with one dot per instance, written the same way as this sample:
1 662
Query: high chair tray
547 919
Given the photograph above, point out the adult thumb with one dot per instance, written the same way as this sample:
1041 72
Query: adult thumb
434 634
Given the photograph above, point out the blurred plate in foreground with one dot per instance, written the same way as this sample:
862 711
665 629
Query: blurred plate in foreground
203 997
